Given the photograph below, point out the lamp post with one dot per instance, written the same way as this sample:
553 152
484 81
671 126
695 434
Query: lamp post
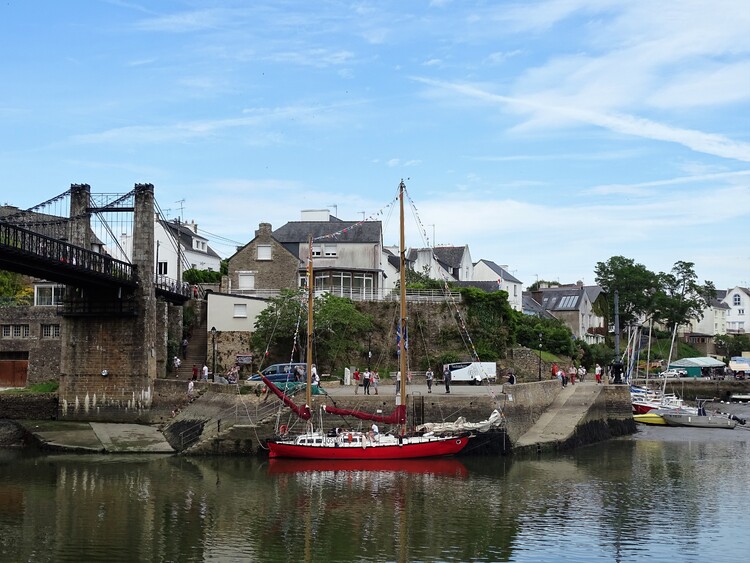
540 356
213 343
369 352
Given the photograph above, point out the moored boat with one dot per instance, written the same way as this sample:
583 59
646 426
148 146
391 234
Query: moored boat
701 419
652 417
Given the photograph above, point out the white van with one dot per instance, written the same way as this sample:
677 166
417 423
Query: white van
474 372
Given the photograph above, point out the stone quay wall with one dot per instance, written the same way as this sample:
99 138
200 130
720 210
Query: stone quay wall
28 406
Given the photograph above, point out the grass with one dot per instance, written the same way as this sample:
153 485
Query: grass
44 387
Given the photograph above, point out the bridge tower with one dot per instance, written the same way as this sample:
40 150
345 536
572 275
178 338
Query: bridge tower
109 335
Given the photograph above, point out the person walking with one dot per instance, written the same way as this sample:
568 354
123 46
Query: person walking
572 374
598 374
195 372
315 378
375 380
191 384
447 379
428 377
366 382
184 348
205 372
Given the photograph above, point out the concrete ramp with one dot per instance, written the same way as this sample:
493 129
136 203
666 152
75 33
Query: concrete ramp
558 423
98 437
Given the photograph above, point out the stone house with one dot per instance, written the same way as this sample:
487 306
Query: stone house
347 257
574 306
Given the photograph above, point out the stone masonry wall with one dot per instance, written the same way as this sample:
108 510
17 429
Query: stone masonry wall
43 352
280 271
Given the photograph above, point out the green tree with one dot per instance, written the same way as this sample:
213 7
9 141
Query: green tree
635 286
277 326
340 331
490 320
681 298
731 345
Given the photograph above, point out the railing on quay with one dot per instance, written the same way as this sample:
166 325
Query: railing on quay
17 240
412 295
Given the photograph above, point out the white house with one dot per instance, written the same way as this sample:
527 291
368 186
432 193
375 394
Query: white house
452 263
714 320
738 314
487 270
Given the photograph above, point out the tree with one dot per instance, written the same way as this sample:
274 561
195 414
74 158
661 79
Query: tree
635 285
680 297
732 344
277 326
490 320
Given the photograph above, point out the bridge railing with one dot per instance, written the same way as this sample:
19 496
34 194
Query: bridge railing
28 243
172 285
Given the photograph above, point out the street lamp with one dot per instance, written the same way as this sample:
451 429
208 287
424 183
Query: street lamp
540 356
369 352
213 342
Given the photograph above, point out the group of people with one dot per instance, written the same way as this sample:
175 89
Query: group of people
570 376
369 379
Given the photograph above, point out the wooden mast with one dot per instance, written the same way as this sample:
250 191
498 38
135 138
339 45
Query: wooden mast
402 325
310 294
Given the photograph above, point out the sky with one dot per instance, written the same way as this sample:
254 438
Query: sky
546 135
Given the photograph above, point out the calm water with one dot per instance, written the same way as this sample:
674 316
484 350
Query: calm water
665 495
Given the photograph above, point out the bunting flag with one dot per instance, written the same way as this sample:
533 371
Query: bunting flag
398 338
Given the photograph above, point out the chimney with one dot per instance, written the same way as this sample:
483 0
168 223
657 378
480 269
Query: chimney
263 229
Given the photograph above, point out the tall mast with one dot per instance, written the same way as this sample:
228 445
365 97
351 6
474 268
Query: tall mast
402 283
310 293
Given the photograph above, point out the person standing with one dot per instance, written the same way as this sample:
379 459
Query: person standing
572 374
447 379
355 376
184 348
190 390
195 372
315 378
205 372
375 380
581 373
598 374
366 382
428 377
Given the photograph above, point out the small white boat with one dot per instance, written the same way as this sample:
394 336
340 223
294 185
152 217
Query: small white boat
702 419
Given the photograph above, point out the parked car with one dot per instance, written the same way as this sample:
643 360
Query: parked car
280 373
672 372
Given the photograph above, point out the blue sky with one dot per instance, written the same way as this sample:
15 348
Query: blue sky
546 135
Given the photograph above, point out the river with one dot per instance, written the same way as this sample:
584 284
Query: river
665 494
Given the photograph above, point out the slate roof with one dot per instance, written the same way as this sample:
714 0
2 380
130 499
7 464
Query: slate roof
562 298
500 271
298 231
449 255
531 307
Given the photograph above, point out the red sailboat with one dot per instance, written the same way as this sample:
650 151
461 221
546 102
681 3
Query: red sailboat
357 445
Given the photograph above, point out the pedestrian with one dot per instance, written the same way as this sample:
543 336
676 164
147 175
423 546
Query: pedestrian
447 379
375 380
562 377
598 374
195 292
205 372
511 377
428 377
572 374
356 378
555 369
190 390
195 372
315 378
366 382
184 347
581 373
176 365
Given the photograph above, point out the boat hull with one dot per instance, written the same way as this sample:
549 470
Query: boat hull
650 418
356 449
696 421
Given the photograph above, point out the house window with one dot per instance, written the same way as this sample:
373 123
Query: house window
740 311
50 331
246 280
737 300
326 250
264 252
240 311
15 331
48 294
162 268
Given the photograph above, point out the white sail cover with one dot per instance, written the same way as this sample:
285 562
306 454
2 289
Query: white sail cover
494 420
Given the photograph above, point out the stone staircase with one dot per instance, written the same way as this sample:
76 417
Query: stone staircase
196 351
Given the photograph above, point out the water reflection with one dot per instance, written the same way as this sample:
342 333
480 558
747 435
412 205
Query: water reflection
653 496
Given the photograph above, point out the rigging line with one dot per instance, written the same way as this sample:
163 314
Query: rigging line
105 225
353 225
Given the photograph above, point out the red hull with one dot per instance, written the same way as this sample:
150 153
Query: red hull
432 448
642 408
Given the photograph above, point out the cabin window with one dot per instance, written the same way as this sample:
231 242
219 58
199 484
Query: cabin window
264 252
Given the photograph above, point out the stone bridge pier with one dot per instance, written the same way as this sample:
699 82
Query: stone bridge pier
112 338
